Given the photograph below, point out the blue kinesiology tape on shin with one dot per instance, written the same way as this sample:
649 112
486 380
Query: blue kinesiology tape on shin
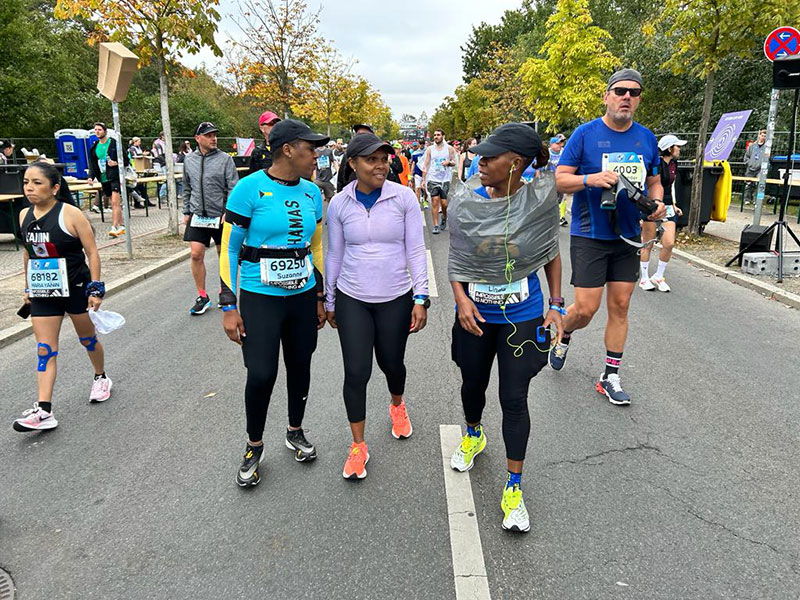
90 343
44 358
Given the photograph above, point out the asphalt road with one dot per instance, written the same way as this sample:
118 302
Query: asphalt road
689 493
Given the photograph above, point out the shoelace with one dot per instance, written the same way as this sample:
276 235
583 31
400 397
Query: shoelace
467 442
560 351
33 410
613 379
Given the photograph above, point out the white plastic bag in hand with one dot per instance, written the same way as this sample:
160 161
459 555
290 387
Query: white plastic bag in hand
106 321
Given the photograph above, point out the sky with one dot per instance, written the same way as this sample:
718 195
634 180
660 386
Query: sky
409 51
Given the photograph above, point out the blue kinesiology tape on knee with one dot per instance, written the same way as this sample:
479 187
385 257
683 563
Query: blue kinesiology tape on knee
92 342
44 358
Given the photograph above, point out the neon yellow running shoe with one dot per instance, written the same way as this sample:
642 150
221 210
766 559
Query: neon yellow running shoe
515 515
464 456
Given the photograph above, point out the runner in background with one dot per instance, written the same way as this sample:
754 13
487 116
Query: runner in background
669 147
466 158
324 171
556 147
437 169
261 158
417 156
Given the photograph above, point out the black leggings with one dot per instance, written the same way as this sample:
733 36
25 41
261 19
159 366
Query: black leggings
363 326
474 356
270 321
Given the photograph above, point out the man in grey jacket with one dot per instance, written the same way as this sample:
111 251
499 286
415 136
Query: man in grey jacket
752 164
209 175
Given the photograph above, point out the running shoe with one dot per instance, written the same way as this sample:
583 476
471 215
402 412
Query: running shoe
463 458
646 285
355 467
612 388
435 230
101 389
515 515
425 205
35 419
558 356
401 424
660 283
303 449
444 223
563 222
94 209
113 232
201 305
247 475
120 230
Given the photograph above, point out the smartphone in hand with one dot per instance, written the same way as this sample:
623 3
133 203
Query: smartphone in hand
25 311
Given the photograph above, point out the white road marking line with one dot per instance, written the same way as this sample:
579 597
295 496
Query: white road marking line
469 569
433 291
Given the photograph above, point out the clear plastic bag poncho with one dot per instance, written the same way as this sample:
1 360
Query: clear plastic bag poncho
478 230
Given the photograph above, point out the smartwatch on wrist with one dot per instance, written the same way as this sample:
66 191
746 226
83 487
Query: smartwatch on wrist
422 300
557 300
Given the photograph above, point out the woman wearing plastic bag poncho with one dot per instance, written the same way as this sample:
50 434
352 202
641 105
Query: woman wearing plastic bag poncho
503 231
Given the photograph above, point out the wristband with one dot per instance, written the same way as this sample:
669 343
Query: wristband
558 300
559 309
96 289
228 307
585 185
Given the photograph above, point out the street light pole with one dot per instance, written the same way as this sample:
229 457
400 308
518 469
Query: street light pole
123 188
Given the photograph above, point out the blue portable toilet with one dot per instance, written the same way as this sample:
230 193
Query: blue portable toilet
73 146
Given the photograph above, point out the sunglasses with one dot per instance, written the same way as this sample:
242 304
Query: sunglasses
621 91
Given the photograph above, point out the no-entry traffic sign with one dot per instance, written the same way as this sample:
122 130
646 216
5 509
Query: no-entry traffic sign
782 42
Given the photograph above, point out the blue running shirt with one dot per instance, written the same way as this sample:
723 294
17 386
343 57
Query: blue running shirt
584 150
281 216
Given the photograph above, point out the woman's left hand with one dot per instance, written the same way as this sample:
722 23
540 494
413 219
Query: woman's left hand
321 317
553 317
678 211
95 302
419 317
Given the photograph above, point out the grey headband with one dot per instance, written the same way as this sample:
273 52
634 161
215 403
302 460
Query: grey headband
625 75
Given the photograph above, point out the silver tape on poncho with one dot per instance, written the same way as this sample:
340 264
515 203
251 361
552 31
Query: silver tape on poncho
478 230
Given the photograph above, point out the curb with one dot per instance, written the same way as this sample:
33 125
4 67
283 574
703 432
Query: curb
773 292
17 332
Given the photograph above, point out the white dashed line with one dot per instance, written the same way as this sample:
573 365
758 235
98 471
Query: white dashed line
433 291
469 569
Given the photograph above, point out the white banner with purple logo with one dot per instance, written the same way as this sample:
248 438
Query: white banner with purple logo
722 141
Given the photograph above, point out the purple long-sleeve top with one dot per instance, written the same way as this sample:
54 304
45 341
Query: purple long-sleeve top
376 255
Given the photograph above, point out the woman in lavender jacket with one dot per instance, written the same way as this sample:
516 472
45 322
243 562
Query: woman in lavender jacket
376 282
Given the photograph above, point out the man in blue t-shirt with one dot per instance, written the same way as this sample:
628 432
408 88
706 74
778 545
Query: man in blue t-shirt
600 259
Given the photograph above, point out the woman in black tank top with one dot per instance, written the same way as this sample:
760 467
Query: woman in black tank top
58 239
467 157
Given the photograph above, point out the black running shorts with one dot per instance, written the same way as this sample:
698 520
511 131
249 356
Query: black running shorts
109 187
75 304
596 262
204 235
438 188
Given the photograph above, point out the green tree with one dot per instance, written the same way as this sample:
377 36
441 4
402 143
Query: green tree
705 34
565 87
158 30
322 88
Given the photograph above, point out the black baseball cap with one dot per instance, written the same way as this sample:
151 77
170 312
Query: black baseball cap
362 126
289 130
510 137
365 144
206 127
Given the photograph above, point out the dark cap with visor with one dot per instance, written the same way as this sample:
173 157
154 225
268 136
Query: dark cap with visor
625 75
358 126
206 127
510 137
365 144
289 130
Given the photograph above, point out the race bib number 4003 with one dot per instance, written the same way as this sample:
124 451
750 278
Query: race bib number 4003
629 164
286 273
47 278
499 293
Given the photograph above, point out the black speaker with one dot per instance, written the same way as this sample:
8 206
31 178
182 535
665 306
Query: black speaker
749 235
786 73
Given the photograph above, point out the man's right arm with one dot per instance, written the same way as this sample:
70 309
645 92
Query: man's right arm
567 182
187 187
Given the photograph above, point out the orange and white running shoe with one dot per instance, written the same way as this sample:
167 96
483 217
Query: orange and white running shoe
401 424
355 467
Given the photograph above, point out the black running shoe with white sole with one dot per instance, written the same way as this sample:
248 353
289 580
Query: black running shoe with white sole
296 441
201 305
247 475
